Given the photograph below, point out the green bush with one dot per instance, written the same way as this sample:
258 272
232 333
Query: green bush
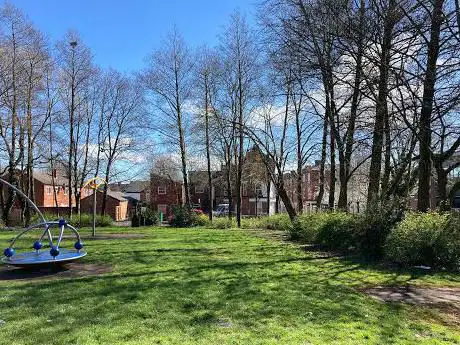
337 230
373 227
149 217
305 228
84 220
431 239
135 221
202 220
222 223
333 230
274 222
251 223
183 216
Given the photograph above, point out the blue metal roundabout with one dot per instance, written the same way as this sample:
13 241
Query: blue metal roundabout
47 250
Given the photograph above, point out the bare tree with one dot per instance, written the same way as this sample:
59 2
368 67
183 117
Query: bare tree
121 120
239 53
170 78
75 66
208 69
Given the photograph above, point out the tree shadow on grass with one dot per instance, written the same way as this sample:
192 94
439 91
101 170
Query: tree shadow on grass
197 290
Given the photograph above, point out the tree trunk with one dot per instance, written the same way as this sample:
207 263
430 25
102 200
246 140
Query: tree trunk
183 155
345 158
239 175
381 109
287 203
269 184
445 203
228 170
342 203
208 150
427 108
299 164
319 198
332 172
106 187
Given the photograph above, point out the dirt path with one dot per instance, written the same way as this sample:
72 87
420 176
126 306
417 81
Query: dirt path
66 271
415 295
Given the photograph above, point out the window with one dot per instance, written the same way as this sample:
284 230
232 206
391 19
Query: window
161 190
49 190
259 192
66 190
199 189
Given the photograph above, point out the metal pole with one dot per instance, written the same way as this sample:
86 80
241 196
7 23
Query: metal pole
94 212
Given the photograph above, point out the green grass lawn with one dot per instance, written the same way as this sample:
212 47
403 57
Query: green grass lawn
199 286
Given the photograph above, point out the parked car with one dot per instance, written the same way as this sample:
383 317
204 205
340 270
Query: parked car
221 210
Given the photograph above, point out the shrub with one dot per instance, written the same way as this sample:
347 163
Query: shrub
84 220
373 227
202 220
149 217
305 228
278 222
135 221
336 230
251 223
182 217
333 230
222 223
431 239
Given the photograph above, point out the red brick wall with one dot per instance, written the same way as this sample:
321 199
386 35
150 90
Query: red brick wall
110 209
43 199
173 194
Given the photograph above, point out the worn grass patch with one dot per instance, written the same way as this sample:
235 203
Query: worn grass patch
200 286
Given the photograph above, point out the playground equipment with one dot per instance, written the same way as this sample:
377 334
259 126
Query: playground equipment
94 183
40 257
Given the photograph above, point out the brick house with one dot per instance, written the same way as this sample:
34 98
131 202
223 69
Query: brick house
165 193
116 206
136 190
47 198
357 188
258 192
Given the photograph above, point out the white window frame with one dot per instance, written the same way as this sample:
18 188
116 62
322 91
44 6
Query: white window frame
161 190
49 190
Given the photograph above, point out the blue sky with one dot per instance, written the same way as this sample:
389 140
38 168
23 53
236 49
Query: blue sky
122 33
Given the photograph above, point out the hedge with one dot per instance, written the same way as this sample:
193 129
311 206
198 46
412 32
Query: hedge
430 239
85 220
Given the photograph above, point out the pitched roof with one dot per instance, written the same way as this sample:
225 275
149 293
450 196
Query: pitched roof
131 187
113 194
116 195
46 178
